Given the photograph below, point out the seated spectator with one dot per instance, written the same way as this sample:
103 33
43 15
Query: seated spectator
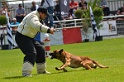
34 6
82 4
14 22
57 11
73 5
20 13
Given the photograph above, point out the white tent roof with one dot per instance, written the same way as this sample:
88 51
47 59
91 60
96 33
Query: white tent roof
23 2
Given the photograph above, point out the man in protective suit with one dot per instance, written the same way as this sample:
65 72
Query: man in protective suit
33 50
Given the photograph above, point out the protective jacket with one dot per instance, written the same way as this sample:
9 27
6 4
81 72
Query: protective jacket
31 25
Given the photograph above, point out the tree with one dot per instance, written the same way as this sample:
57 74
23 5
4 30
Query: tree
86 18
3 20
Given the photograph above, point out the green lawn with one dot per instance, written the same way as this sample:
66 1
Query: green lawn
109 52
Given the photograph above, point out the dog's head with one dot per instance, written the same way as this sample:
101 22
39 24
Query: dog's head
56 54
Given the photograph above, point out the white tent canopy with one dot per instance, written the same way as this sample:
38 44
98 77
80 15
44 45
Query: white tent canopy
19 1
23 2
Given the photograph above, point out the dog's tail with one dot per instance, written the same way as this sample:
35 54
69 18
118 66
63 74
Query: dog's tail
99 65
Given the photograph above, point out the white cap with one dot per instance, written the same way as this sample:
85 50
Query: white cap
14 18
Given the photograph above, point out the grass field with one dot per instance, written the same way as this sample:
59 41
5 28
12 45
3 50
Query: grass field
109 52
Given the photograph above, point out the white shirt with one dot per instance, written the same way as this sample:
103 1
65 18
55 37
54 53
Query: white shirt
31 25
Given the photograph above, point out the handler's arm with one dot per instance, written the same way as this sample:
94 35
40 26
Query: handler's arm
35 23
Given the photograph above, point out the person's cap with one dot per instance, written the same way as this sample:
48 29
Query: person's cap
14 18
43 10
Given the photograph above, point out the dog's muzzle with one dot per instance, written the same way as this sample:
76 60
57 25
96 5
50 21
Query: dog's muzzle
52 55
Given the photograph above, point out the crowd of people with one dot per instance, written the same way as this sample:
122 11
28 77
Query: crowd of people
55 11
20 12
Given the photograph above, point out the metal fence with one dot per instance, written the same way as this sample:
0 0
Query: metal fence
78 23
112 4
120 27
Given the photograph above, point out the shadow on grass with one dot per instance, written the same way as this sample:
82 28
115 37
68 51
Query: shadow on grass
59 72
14 77
69 71
17 77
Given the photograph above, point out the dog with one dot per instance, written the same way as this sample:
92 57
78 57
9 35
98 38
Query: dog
74 61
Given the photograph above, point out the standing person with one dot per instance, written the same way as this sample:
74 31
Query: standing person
57 11
103 3
34 6
34 52
49 4
4 9
20 13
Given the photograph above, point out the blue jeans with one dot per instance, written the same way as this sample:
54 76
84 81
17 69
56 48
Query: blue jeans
49 17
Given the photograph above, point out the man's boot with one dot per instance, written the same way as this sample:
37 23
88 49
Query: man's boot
27 69
41 68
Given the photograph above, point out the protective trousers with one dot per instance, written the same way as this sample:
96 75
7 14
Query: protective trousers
33 51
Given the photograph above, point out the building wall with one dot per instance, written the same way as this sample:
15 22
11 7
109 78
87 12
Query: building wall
115 4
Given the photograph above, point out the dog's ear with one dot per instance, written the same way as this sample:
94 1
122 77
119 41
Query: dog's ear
60 51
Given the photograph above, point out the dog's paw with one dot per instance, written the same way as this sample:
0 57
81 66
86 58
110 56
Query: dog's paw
56 68
64 70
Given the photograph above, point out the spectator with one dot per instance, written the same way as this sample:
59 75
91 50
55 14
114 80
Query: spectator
49 4
82 4
14 22
34 6
84 7
3 10
73 5
103 5
33 50
20 13
120 11
57 11
106 11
